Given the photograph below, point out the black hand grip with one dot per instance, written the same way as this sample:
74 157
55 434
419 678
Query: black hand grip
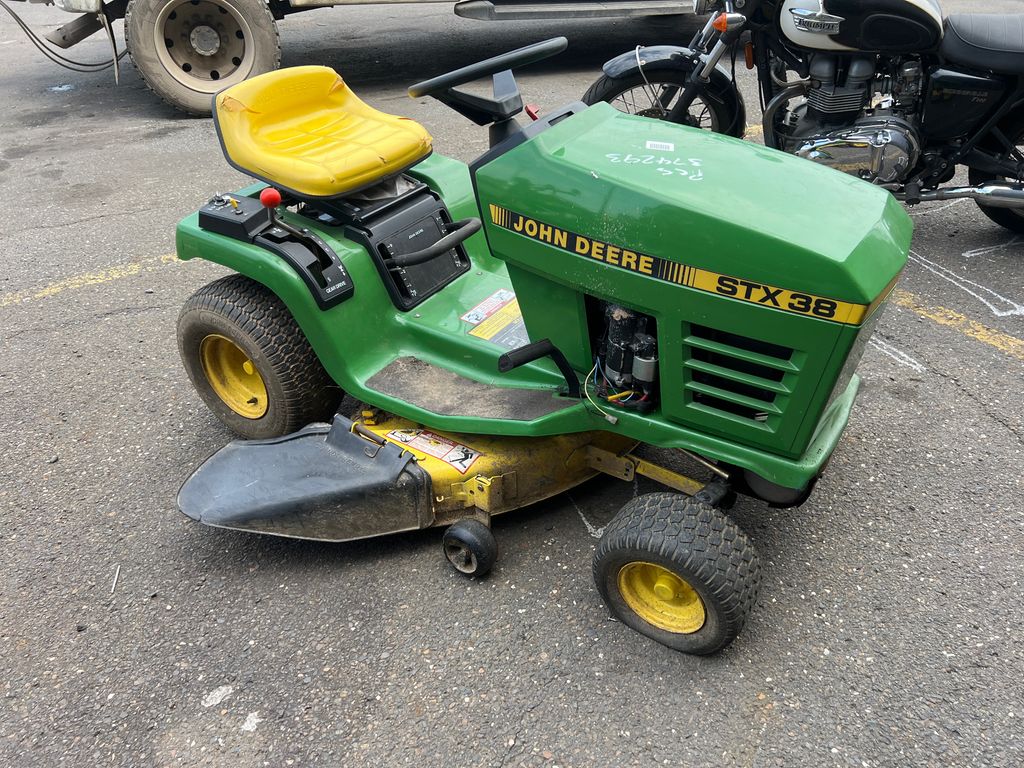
535 351
523 355
518 58
464 229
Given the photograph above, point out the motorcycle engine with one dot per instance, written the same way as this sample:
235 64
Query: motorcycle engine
856 119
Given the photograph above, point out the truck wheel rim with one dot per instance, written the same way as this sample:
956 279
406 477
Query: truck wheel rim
661 598
233 376
205 45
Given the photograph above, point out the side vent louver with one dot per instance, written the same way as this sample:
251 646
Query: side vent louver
737 376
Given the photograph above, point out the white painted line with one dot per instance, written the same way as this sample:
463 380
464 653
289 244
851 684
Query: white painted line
594 532
994 300
990 249
929 211
897 354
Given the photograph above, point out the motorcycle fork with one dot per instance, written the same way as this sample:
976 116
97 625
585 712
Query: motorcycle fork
700 75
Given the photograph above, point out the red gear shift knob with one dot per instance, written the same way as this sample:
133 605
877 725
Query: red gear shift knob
270 198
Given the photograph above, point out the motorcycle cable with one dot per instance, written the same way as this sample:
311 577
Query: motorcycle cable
649 88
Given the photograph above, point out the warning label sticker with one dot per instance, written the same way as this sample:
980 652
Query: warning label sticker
488 307
498 319
460 456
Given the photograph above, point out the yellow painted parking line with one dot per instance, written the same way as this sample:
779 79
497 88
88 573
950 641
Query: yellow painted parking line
754 130
108 275
1005 343
1008 345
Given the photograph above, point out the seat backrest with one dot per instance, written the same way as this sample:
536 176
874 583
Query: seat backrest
275 97
304 130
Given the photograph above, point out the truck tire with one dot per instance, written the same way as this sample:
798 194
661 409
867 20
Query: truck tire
187 50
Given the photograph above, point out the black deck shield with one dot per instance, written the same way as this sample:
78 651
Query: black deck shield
322 482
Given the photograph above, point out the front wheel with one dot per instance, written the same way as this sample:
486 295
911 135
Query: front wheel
470 547
653 93
679 571
187 50
1013 128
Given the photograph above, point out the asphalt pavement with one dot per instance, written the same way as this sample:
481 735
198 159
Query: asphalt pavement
887 632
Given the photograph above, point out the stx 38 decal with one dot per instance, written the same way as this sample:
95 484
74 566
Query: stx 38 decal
683 274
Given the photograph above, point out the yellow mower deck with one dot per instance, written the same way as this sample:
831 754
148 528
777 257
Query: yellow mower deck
501 474
378 474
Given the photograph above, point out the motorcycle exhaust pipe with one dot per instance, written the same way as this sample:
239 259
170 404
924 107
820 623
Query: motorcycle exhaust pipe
992 195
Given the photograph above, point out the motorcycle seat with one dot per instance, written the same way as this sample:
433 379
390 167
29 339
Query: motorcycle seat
985 41
304 130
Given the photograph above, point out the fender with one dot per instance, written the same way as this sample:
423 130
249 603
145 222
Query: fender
720 88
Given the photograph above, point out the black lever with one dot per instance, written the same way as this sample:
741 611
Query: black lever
463 230
270 198
535 351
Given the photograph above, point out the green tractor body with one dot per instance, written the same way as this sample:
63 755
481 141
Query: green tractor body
761 310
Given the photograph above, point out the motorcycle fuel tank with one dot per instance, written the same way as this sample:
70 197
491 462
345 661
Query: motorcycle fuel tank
905 26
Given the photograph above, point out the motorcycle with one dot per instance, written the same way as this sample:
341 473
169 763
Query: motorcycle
887 90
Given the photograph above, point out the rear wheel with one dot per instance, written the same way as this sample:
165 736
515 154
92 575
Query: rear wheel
250 362
679 571
187 50
1010 218
653 94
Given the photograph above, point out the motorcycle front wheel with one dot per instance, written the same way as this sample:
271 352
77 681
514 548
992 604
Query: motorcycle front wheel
654 93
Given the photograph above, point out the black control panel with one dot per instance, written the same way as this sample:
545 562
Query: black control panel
420 222
409 220
246 219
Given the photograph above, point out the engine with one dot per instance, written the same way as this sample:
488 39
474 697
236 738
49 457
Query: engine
856 118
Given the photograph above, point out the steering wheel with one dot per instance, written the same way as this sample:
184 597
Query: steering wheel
520 57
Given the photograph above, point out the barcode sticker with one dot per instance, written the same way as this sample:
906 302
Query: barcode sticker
661 146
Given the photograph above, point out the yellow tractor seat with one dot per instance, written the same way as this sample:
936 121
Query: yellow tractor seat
304 130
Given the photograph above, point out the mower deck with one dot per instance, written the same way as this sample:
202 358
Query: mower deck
379 474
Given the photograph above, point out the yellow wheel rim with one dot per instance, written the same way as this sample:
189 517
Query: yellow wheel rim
233 376
661 598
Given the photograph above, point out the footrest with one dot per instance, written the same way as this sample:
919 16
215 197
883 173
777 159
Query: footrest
323 482
446 393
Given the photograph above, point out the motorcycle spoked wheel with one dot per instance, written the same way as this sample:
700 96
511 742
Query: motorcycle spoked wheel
1010 218
655 92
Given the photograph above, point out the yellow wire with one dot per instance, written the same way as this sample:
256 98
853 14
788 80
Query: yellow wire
619 396
586 392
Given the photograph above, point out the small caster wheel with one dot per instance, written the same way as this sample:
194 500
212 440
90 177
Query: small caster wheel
470 546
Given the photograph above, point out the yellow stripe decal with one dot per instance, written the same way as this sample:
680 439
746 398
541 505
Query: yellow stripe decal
670 271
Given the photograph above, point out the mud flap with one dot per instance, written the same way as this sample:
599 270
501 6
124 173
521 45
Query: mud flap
323 482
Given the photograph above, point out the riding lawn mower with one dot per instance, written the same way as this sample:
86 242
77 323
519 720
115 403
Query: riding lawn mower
511 328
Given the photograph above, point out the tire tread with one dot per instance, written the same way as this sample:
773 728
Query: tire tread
310 393
697 537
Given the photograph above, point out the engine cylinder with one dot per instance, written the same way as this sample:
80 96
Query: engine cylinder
829 99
